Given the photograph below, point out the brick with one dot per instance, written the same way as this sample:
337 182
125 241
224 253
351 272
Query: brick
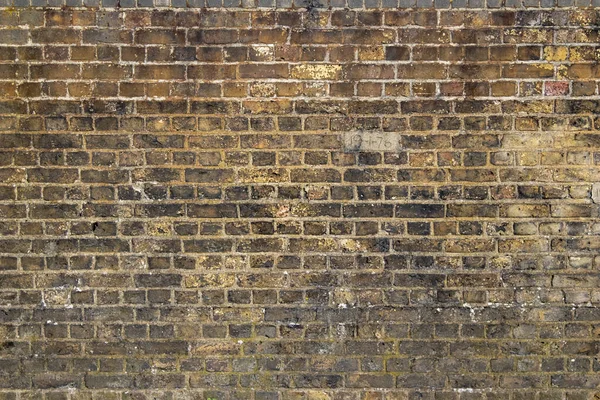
15 141
411 35
214 107
212 211
425 106
315 175
267 107
363 72
373 107
108 381
12 107
370 175
207 246
155 72
12 175
320 36
107 141
397 53
55 36
108 107
103 245
371 210
528 71
158 141
162 107
163 280
56 175
414 348
159 210
54 211
211 72
466 71
103 71
50 381
109 36
160 36
422 71
14 36
472 210
260 245
525 210
316 71
113 177
213 36
417 380
473 175
50 107
12 71
209 175
264 70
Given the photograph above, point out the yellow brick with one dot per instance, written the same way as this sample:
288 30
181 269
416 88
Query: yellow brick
316 71
559 53
371 53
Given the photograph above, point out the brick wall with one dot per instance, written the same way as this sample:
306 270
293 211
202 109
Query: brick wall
286 203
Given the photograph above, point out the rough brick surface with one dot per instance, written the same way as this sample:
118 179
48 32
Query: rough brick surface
186 214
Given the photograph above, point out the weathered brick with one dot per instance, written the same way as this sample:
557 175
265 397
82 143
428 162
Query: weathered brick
14 36
315 175
159 210
208 246
155 72
55 36
209 175
12 107
214 107
40 211
104 176
212 211
264 70
162 107
56 175
103 71
109 36
107 141
158 141
211 71
109 381
419 211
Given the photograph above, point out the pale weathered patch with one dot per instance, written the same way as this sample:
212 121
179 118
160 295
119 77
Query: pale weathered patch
316 71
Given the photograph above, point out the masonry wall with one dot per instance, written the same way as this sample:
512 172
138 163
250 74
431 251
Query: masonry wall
185 213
